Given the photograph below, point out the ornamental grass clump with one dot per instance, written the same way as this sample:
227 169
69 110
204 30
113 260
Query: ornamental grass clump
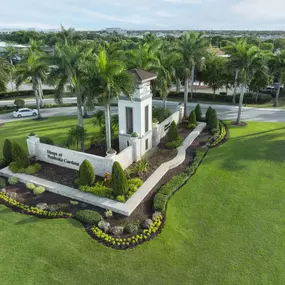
86 174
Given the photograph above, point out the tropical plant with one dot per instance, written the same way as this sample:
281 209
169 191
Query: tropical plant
33 66
9 55
277 67
108 77
192 49
76 135
68 67
4 74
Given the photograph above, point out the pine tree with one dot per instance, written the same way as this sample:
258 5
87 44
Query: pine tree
7 151
208 112
19 156
192 122
173 134
198 112
86 174
119 180
213 120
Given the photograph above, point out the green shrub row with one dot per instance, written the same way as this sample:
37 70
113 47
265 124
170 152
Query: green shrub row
160 113
124 243
22 93
166 191
99 189
31 169
174 144
34 211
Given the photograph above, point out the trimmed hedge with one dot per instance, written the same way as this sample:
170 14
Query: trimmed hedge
98 190
7 151
198 112
88 217
208 113
213 122
172 133
23 93
19 156
46 140
192 121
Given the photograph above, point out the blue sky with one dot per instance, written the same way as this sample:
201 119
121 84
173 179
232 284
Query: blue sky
144 14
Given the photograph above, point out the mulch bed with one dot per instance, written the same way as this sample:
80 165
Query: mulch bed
100 148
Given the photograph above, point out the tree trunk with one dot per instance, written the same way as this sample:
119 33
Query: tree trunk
240 104
276 102
164 102
11 77
192 81
85 109
214 89
108 126
41 95
185 97
80 118
235 86
35 88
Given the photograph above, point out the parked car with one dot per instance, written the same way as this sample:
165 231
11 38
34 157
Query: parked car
25 112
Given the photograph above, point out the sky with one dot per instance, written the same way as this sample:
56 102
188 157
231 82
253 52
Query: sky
144 14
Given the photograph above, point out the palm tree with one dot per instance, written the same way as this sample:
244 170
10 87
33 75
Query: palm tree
9 54
108 78
192 49
4 73
277 66
245 57
67 68
166 73
144 56
35 68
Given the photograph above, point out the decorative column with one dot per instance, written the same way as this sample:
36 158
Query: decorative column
180 108
155 134
32 142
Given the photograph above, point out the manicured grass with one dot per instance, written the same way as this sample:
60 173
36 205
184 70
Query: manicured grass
225 226
54 127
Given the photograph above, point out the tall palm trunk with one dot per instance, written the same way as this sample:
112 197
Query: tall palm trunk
35 88
240 103
41 95
192 81
235 85
108 126
185 97
11 77
276 102
80 117
85 109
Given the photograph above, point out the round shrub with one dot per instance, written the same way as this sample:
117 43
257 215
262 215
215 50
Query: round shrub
208 112
14 167
86 174
32 169
31 186
121 198
198 112
46 140
173 134
213 122
2 183
88 217
131 229
39 190
192 122
159 202
20 103
119 180
19 155
12 180
7 151
136 181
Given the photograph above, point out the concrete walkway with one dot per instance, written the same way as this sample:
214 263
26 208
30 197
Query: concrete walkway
125 209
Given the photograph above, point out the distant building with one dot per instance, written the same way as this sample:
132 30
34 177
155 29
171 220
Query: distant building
4 46
115 30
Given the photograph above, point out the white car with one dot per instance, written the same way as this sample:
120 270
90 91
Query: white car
25 112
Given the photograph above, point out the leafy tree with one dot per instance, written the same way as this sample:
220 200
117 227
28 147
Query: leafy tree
173 134
9 55
20 103
198 112
4 74
119 180
192 49
86 174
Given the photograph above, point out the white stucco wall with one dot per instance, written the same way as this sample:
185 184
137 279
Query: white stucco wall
125 157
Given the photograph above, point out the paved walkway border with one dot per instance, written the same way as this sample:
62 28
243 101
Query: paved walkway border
127 208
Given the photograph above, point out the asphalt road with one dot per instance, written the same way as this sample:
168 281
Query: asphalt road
225 112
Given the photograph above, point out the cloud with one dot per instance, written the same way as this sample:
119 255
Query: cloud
185 1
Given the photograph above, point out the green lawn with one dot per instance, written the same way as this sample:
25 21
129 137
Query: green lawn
225 226
54 127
